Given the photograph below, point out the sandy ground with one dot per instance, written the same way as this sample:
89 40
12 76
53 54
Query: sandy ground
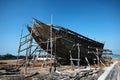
34 70
9 62
111 72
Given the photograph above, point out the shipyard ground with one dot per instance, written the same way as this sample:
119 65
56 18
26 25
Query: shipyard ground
43 73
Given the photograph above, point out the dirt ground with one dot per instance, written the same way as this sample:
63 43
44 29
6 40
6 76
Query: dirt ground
35 72
9 62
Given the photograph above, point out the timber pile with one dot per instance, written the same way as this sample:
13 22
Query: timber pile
74 74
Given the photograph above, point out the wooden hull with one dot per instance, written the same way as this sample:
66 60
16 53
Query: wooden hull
64 42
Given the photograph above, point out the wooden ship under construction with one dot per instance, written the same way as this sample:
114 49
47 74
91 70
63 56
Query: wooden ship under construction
48 47
67 45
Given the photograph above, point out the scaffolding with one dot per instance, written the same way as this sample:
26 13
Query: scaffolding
31 49
47 36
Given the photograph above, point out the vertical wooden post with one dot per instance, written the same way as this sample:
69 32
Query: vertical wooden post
78 54
19 47
51 44
97 55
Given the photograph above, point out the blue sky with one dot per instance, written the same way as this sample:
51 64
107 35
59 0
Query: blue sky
97 19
